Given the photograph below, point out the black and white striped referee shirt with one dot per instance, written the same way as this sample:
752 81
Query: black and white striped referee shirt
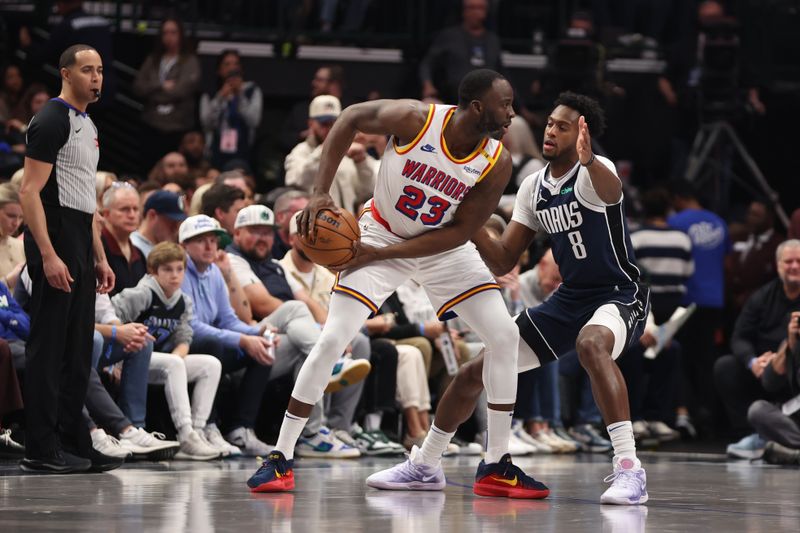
65 137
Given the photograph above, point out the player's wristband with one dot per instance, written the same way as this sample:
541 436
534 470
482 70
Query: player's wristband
589 162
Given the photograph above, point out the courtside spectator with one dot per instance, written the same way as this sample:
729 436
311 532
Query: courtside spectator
160 304
163 213
219 332
120 219
757 335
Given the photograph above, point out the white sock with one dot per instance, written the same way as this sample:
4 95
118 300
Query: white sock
433 447
372 422
621 434
291 428
498 433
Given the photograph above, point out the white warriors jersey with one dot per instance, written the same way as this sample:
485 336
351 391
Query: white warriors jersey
420 185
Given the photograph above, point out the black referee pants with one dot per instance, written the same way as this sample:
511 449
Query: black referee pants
59 352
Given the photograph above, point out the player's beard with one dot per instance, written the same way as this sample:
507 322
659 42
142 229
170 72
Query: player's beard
488 126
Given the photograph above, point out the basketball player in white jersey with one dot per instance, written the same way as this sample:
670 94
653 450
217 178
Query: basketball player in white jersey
441 177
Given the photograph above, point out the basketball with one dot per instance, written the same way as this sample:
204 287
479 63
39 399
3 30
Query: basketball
335 235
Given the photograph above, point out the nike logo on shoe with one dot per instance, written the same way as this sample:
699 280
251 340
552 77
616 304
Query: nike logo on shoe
510 482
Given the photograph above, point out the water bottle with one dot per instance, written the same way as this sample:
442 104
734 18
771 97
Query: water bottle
270 336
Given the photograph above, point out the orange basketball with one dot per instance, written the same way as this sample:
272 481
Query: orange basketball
335 235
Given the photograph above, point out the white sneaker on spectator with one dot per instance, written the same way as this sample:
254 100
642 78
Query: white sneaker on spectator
550 440
196 448
346 372
8 446
214 438
247 442
325 444
662 432
641 430
108 445
451 450
518 447
519 433
567 445
154 445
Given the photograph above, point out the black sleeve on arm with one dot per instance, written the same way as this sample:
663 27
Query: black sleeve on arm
48 132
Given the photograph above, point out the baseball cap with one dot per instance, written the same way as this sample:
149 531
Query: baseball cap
166 203
255 215
198 225
325 107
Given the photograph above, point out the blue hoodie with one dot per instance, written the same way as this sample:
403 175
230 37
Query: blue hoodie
14 322
213 314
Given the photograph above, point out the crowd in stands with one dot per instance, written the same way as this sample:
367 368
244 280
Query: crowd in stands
216 306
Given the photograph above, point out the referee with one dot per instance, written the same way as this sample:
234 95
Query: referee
67 265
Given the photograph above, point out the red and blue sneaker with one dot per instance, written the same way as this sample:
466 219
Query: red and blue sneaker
505 480
274 475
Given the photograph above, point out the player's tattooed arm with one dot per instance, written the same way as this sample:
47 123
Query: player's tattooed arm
607 185
500 255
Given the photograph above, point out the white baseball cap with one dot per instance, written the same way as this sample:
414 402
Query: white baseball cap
198 225
255 215
325 107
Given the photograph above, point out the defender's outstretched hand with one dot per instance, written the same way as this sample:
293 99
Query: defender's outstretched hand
584 144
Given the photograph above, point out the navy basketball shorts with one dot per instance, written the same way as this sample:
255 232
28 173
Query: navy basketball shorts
551 328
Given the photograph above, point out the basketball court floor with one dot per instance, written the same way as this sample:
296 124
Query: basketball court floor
687 493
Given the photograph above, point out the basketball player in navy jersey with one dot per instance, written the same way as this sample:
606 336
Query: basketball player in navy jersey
600 308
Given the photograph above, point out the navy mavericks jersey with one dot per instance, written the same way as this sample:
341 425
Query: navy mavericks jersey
590 238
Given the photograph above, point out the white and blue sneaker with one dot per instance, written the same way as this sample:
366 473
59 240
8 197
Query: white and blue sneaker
409 476
347 371
325 444
750 447
628 483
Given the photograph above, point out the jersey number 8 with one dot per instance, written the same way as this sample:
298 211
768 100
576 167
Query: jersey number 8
412 201
576 240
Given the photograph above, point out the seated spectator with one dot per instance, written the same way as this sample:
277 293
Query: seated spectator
223 202
12 253
193 148
272 298
145 190
231 114
163 213
15 326
757 335
172 168
356 173
217 331
161 306
10 401
751 264
131 346
120 213
286 205
167 81
779 423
